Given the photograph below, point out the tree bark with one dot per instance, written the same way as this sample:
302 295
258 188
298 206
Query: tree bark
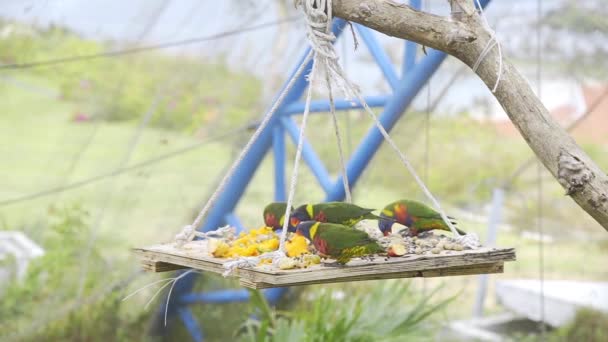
464 36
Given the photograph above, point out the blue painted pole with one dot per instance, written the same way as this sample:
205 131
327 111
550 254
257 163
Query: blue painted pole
323 105
405 93
308 154
409 57
278 146
382 59
219 296
230 296
190 322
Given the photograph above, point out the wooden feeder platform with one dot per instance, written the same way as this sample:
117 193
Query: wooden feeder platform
484 260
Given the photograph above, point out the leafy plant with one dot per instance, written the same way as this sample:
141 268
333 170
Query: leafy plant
382 314
193 93
45 305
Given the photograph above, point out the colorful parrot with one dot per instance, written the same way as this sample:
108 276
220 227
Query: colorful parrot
274 215
331 212
418 217
338 241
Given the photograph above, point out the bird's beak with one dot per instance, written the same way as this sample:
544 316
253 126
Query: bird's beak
294 221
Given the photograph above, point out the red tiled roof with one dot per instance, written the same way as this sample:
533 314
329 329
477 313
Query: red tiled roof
593 129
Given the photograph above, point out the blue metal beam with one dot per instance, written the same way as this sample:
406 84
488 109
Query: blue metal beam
409 57
323 105
219 296
230 296
190 323
308 154
382 59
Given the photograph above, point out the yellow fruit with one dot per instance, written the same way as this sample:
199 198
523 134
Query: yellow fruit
297 246
222 250
268 245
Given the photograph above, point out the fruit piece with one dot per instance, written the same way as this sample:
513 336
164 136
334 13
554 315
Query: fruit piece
297 246
218 248
311 259
287 263
396 250
268 245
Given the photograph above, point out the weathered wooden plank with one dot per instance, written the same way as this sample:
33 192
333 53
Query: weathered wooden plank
161 258
442 272
159 266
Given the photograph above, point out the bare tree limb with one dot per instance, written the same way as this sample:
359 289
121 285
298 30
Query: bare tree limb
465 37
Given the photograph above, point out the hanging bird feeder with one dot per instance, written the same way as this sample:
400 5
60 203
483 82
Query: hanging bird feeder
263 259
429 256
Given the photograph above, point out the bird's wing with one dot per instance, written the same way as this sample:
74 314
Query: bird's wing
341 211
339 237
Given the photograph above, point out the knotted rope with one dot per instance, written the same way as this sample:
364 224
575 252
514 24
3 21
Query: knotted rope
489 46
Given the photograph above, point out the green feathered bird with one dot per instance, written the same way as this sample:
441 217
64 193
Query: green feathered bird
331 212
274 215
418 217
338 241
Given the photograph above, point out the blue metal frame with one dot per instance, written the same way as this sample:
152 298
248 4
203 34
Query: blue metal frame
415 74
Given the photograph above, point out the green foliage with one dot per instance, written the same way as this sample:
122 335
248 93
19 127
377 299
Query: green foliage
580 19
381 314
588 325
45 305
121 88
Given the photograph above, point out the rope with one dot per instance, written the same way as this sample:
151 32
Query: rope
296 163
321 39
489 46
337 75
254 137
332 108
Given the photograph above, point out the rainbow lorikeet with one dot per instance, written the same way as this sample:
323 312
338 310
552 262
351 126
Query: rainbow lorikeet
274 215
332 212
418 217
338 241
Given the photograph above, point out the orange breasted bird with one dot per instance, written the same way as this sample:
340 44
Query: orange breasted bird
418 217
338 241
331 212
274 215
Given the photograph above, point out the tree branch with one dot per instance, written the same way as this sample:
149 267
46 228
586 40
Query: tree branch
465 37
